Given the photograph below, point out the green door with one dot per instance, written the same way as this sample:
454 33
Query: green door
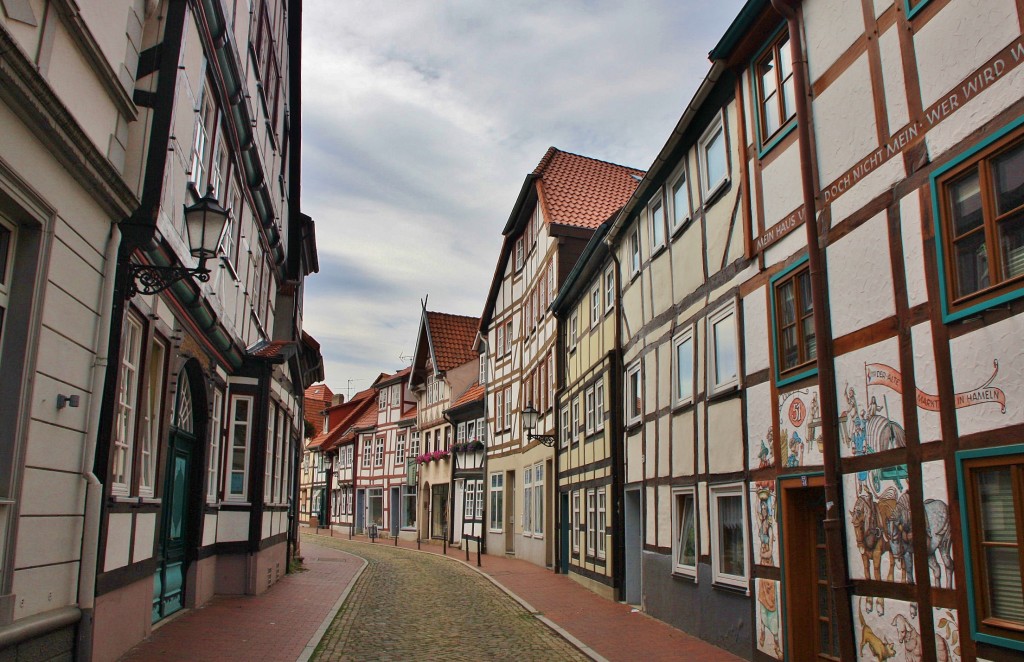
169 581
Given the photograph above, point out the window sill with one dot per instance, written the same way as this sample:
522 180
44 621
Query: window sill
684 406
712 194
632 426
777 137
730 588
687 575
797 374
678 230
658 250
724 392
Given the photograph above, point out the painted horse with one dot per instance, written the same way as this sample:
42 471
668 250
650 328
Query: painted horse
901 537
939 542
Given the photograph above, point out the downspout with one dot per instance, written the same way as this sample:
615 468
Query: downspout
837 564
614 359
482 542
93 487
557 412
451 486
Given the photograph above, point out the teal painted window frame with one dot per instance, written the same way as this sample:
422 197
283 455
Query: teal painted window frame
911 10
810 372
940 249
764 148
961 456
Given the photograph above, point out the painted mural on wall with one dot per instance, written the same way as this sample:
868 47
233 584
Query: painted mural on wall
893 633
769 621
800 442
761 449
937 529
870 413
947 634
878 520
764 522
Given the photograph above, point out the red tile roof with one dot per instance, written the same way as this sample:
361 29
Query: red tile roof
345 415
272 349
320 392
472 394
452 339
583 192
410 413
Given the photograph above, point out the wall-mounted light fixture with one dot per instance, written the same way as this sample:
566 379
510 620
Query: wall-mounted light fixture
204 223
67 400
530 416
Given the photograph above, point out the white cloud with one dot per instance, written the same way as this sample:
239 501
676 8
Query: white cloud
421 119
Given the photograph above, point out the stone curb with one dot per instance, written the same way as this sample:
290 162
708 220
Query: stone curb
557 629
314 641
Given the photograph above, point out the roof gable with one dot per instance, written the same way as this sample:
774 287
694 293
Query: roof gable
582 192
451 339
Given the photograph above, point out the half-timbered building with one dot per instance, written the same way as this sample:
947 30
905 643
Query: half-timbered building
468 452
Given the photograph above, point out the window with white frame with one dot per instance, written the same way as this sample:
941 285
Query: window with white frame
508 337
152 414
595 304
679 198
237 469
591 523
281 483
575 530
599 404
565 426
723 360
127 407
478 515
481 430
408 514
528 501
609 289
268 465
400 450
367 452
682 366
508 408
589 399
471 431
602 521
634 251
728 535
714 162
460 433
497 492
684 531
538 500
483 369
378 452
469 499
519 253
656 220
574 325
575 419
551 280
213 462
634 394
499 340
499 410
195 173
414 444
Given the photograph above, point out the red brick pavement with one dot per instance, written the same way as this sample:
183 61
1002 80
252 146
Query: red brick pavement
612 630
274 626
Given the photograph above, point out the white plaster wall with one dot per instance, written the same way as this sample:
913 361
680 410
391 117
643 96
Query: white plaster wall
651 459
50 493
959 39
789 245
703 513
725 436
41 589
878 180
682 444
881 6
634 459
780 185
232 526
972 357
652 516
947 626
119 539
664 446
933 483
664 516
860 278
756 343
701 422
145 530
845 119
830 28
929 427
210 528
893 80
759 423
913 248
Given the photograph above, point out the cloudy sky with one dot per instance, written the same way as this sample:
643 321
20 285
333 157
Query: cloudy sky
421 119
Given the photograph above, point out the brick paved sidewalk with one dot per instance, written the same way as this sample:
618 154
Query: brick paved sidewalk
610 630
275 626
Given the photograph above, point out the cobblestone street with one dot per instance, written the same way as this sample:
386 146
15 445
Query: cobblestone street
408 605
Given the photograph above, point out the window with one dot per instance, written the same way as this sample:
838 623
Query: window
483 369
714 163
127 407
793 312
414 444
599 404
595 304
591 523
979 203
268 465
576 419
602 516
776 89
565 426
723 369
368 451
519 253
478 515
528 501
683 366
471 431
679 197
538 500
151 417
728 535
508 408
375 506
684 532
575 530
589 399
447 437
656 217
460 435
499 410
195 173
408 513
992 504
574 326
634 252
284 472
400 450
508 337
481 430
238 451
213 464
469 499
378 452
551 280
634 402
609 289
499 343
497 493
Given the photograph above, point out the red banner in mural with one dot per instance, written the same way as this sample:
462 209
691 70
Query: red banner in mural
880 374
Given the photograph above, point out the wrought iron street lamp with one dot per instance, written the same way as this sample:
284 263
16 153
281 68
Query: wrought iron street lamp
530 416
204 224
